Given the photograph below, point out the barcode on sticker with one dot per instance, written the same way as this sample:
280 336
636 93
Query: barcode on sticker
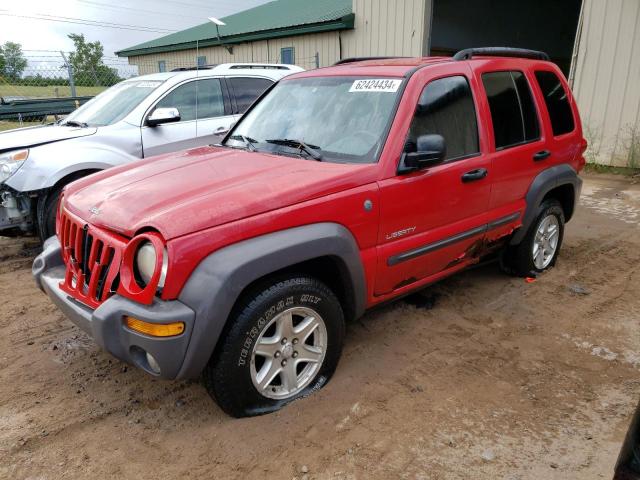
375 85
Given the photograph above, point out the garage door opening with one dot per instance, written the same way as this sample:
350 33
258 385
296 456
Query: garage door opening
546 25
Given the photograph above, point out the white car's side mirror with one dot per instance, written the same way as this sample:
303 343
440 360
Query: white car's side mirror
163 115
222 131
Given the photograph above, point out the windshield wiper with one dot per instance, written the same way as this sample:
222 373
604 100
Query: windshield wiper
74 123
311 150
248 141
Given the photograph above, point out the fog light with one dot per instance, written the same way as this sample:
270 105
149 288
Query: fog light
154 329
153 365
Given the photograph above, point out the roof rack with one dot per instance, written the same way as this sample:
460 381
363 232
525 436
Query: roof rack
260 67
469 53
362 59
199 67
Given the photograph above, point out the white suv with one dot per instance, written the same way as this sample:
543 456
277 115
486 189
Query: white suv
137 118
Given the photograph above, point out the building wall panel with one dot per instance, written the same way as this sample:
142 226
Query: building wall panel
387 28
607 81
268 51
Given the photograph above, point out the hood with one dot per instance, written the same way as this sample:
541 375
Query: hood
40 135
185 192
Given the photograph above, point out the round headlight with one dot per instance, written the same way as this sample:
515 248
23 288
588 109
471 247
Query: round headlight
146 263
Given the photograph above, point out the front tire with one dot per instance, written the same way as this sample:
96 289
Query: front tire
46 213
283 342
539 249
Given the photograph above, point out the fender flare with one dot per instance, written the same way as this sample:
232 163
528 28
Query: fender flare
217 282
542 184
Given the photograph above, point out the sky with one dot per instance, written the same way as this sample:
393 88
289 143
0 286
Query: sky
137 21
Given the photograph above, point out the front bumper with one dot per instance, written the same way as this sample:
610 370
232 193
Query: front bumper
105 323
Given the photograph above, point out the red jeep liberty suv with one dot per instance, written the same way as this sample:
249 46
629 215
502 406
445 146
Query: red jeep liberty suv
341 188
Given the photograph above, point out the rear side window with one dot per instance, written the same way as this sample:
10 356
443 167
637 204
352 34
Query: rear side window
446 108
513 111
555 97
247 89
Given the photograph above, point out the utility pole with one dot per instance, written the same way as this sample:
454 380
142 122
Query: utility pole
72 83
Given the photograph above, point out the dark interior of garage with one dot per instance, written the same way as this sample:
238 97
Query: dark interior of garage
545 25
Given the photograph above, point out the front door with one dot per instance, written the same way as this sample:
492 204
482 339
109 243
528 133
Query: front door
203 118
434 220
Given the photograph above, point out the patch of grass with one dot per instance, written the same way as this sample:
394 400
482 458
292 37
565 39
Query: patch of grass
598 168
7 90
6 125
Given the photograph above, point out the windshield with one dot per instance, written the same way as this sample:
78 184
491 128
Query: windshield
113 104
341 119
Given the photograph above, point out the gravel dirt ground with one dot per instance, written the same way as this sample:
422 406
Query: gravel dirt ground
501 379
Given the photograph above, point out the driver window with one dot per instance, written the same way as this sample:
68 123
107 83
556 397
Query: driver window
209 104
184 99
446 108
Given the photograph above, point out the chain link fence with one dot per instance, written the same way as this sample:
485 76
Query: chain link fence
50 75
50 87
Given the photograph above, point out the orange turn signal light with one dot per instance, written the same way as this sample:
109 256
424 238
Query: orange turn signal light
154 329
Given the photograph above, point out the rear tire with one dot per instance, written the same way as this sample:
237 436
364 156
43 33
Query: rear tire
283 342
538 250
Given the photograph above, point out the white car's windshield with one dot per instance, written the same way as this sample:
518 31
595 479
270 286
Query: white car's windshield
341 119
113 104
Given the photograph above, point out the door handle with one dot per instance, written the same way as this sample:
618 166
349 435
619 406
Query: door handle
473 175
541 155
221 131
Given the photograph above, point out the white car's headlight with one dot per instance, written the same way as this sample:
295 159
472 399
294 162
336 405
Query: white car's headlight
10 162
146 263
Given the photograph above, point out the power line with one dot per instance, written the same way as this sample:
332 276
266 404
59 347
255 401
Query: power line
82 21
187 4
117 7
102 22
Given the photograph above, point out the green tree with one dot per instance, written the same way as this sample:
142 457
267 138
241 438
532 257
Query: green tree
2 62
88 67
13 60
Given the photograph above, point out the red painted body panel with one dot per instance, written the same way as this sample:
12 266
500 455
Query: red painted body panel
513 169
205 187
204 199
435 203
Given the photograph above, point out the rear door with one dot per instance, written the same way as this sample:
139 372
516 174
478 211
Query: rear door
433 220
518 141
214 111
565 136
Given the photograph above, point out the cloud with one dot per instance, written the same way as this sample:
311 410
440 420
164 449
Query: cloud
37 35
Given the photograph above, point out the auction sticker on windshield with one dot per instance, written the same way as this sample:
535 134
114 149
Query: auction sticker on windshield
375 85
147 84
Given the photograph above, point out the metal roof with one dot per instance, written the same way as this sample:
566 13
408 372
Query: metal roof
275 19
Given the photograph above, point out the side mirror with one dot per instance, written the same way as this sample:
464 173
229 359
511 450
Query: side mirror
163 115
430 150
